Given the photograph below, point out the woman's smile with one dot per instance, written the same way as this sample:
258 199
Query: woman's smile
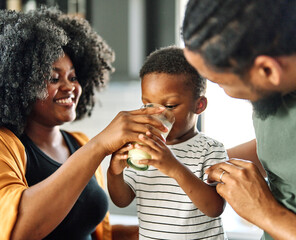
66 101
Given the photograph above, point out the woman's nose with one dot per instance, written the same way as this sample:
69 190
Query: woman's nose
67 85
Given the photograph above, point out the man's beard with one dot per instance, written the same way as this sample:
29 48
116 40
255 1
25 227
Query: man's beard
267 106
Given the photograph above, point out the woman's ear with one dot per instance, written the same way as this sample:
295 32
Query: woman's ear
201 104
268 69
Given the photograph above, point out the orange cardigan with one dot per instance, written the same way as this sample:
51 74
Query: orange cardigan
13 183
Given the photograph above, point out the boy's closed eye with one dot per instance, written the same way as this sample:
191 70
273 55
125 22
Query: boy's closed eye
170 107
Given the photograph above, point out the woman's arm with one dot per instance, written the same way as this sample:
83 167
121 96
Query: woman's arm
44 205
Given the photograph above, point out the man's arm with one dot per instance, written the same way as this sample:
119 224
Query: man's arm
248 194
247 151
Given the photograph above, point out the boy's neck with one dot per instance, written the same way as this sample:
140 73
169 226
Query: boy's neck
188 135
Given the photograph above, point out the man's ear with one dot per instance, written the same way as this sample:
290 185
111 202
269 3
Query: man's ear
201 104
268 70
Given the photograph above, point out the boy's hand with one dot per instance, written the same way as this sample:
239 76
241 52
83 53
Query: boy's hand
119 160
162 157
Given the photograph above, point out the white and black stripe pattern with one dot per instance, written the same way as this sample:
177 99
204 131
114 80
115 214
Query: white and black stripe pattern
164 210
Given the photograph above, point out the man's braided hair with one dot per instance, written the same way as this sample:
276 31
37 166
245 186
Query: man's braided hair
229 34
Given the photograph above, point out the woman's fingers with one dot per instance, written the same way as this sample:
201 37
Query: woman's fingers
150 110
140 123
127 125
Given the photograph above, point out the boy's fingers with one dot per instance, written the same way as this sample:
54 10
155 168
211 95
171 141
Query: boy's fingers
160 141
126 148
149 142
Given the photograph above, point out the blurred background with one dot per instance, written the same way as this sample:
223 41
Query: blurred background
135 28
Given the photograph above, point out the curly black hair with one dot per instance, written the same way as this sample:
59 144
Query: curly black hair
171 60
229 34
29 45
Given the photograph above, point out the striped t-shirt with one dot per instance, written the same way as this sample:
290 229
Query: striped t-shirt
164 209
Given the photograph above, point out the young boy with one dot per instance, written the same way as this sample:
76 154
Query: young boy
174 200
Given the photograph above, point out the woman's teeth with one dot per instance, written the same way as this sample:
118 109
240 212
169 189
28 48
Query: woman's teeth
65 100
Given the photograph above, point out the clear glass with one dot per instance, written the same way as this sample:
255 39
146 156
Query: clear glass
167 118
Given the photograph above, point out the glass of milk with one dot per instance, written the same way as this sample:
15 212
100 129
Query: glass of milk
167 118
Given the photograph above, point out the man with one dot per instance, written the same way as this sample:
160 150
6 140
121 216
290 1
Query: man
248 47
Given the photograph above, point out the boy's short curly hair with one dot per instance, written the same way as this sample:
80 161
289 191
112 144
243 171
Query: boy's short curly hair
171 60
29 45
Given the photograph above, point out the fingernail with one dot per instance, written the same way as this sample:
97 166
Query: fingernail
141 136
161 108
137 145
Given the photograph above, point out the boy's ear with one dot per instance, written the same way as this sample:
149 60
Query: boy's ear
201 104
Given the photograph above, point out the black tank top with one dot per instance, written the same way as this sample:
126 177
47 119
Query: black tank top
91 206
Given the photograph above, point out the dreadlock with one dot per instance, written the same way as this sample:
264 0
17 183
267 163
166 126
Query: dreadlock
229 34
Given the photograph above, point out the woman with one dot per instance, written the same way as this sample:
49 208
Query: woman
49 66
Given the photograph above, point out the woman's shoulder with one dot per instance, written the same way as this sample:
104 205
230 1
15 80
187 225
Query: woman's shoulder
12 152
9 141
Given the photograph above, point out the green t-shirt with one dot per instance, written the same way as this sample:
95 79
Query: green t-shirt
276 149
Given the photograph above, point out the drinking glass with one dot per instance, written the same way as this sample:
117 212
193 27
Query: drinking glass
167 118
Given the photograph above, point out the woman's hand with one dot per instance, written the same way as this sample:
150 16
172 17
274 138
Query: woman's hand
126 127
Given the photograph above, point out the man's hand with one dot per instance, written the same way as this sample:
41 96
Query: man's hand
244 188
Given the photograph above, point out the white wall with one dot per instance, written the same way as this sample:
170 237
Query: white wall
227 119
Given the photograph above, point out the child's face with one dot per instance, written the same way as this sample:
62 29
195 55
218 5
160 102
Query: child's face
170 91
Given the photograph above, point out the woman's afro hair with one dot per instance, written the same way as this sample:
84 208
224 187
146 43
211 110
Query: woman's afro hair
29 45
